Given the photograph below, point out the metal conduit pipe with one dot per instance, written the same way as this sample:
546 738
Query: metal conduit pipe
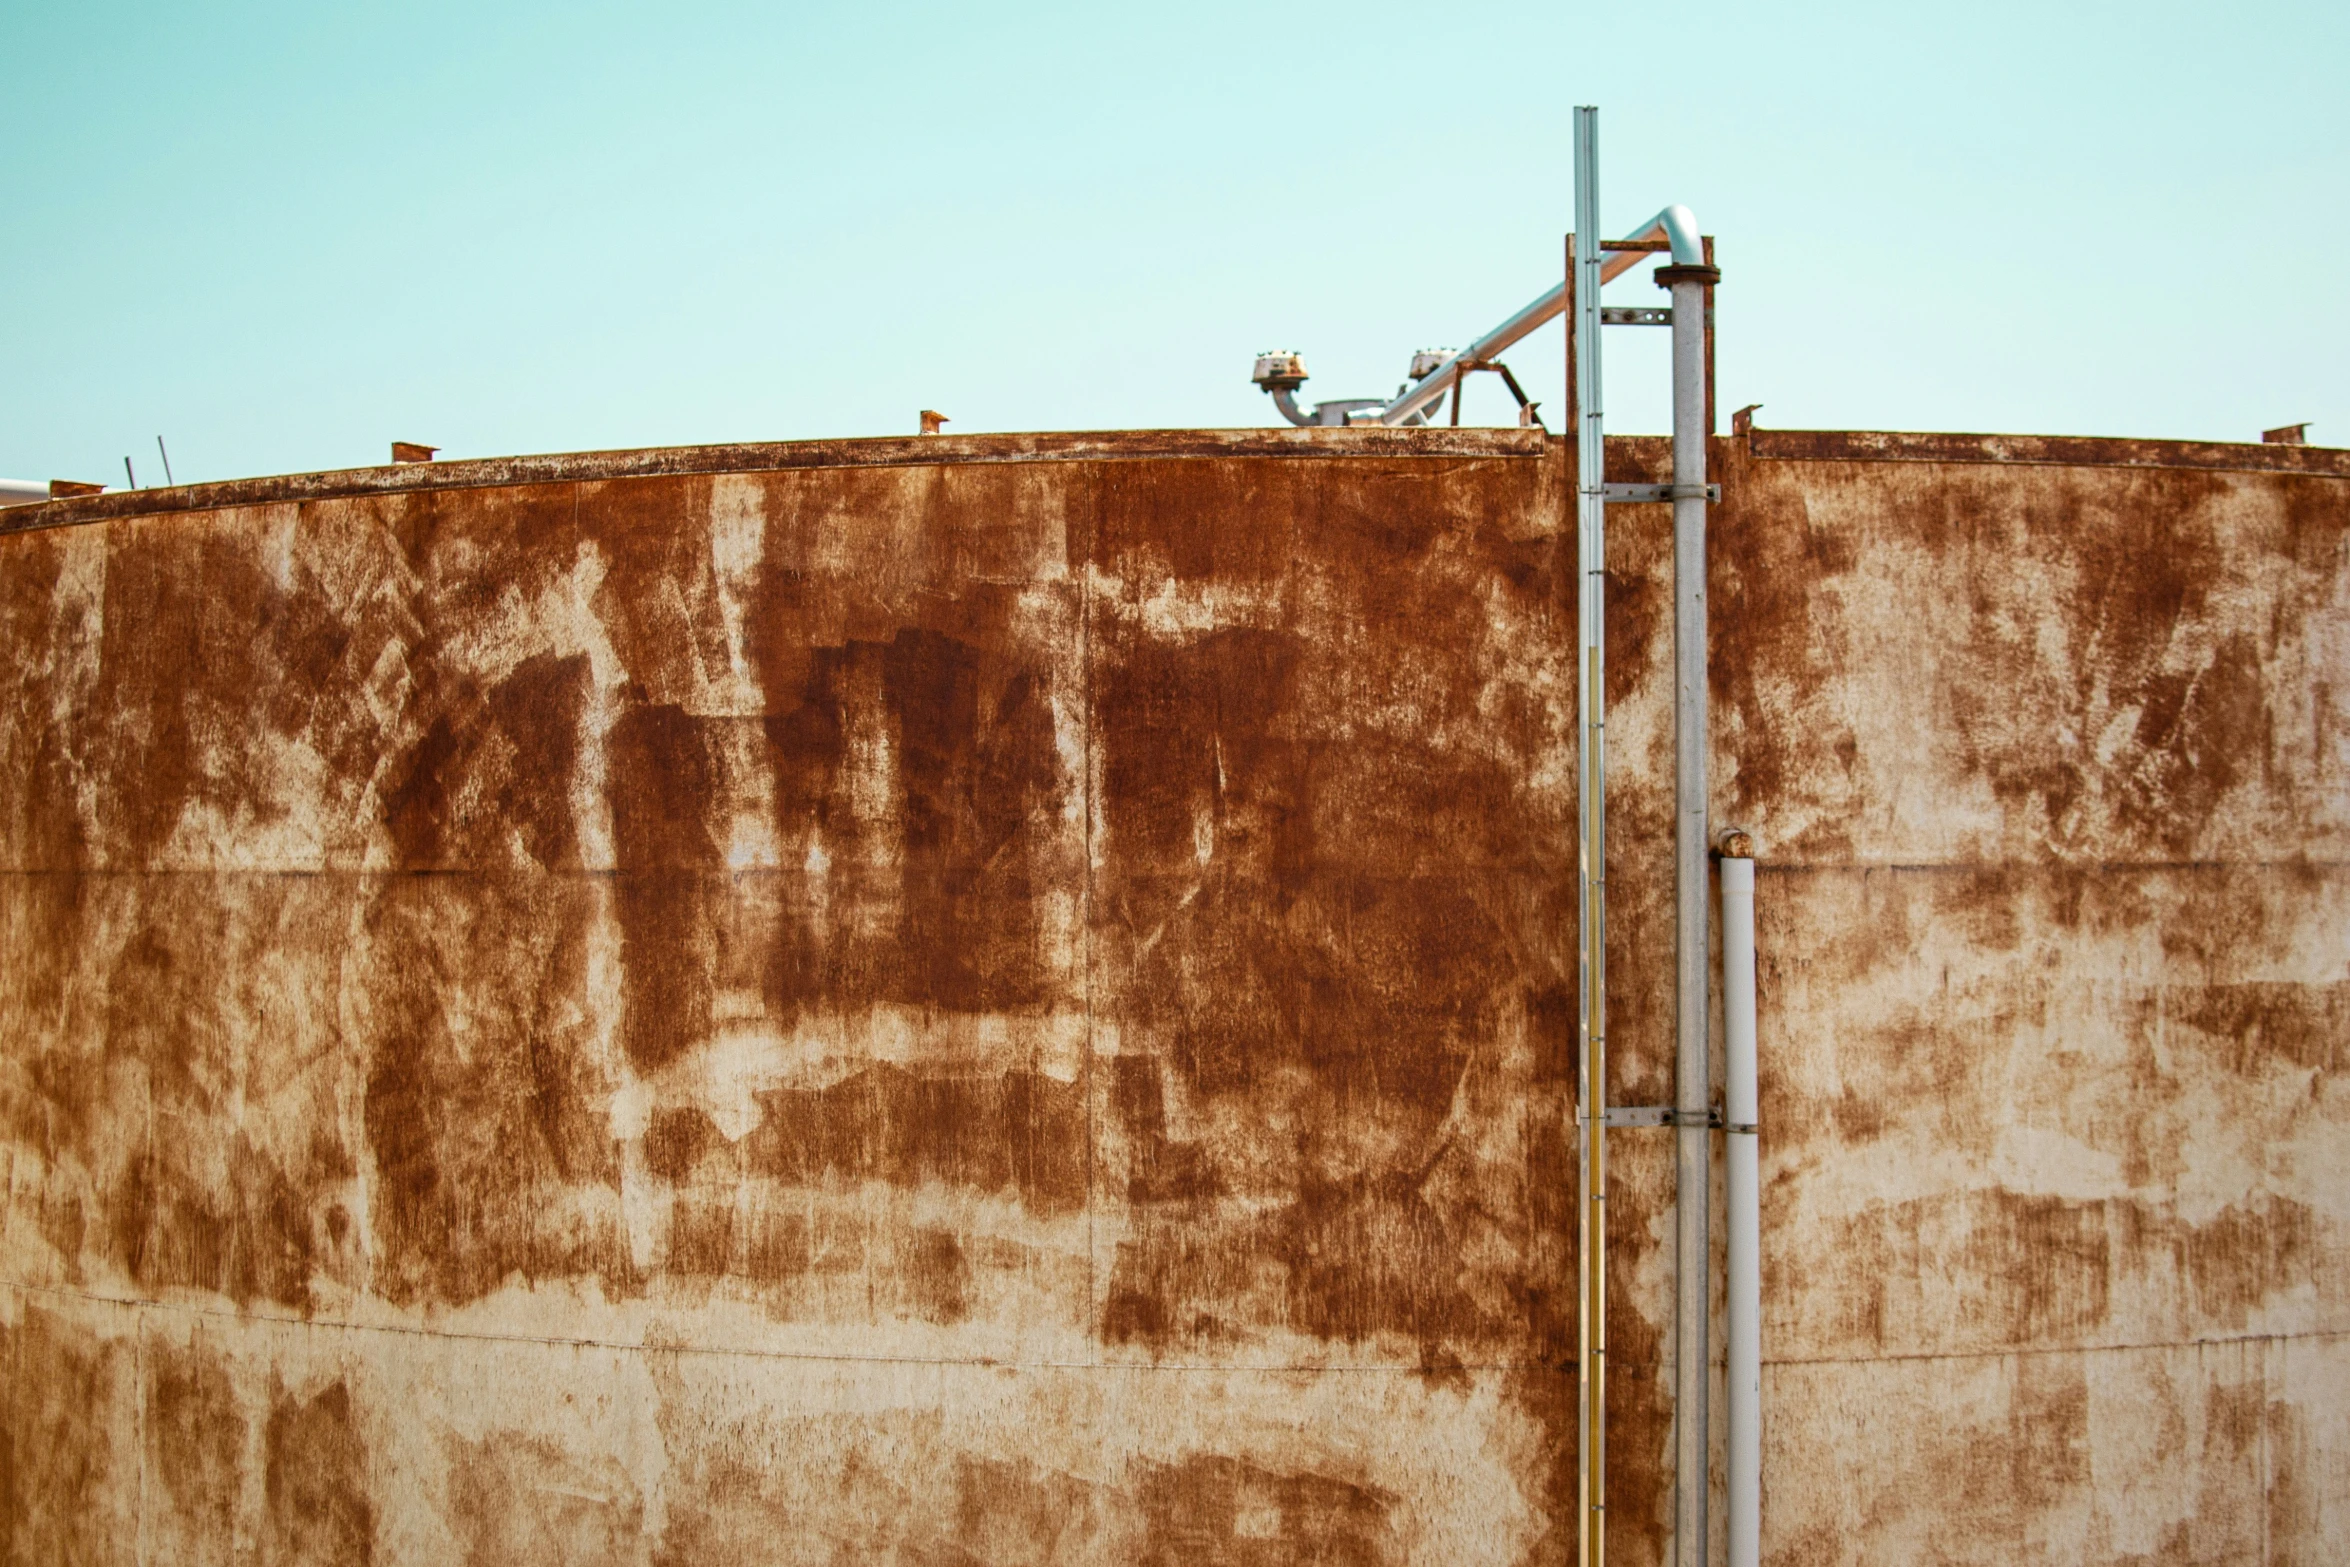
1591 859
1742 1184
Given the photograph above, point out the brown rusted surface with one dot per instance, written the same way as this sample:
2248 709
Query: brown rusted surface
1009 999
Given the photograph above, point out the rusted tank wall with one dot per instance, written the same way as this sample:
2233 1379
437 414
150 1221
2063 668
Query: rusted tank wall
971 1010
2048 757
1010 999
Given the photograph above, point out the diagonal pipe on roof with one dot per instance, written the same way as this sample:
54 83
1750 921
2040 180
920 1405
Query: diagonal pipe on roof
1676 225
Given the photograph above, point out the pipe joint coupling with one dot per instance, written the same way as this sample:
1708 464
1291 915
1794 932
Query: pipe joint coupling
1666 277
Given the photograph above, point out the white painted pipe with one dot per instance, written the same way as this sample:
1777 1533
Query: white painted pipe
1693 1089
22 492
1745 1205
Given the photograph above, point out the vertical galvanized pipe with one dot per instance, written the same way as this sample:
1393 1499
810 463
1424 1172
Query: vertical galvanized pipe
1591 855
1693 1092
1743 1194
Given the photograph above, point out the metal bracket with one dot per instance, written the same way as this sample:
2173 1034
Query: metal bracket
1528 418
1642 494
1659 1115
1635 315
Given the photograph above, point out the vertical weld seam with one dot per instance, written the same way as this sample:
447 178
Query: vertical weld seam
2267 1347
139 1432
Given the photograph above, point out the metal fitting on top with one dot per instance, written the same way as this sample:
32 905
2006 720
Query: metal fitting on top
1279 371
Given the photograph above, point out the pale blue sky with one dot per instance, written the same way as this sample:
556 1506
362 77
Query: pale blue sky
284 236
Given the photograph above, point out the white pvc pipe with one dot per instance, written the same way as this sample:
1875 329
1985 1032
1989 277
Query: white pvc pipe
22 492
1745 1204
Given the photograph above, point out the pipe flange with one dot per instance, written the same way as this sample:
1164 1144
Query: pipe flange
1693 272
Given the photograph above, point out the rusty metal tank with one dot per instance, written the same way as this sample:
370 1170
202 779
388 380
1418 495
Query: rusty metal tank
1010 999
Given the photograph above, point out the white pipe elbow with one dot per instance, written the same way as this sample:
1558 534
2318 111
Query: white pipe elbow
1676 225
1679 225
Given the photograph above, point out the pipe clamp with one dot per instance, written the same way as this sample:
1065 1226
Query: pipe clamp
1662 1115
1642 494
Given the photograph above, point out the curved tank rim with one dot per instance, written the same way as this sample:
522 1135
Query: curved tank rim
1132 445
774 456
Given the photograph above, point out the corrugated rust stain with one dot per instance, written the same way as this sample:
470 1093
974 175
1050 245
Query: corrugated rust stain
1010 999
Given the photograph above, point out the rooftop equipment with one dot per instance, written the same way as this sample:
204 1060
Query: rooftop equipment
1435 371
